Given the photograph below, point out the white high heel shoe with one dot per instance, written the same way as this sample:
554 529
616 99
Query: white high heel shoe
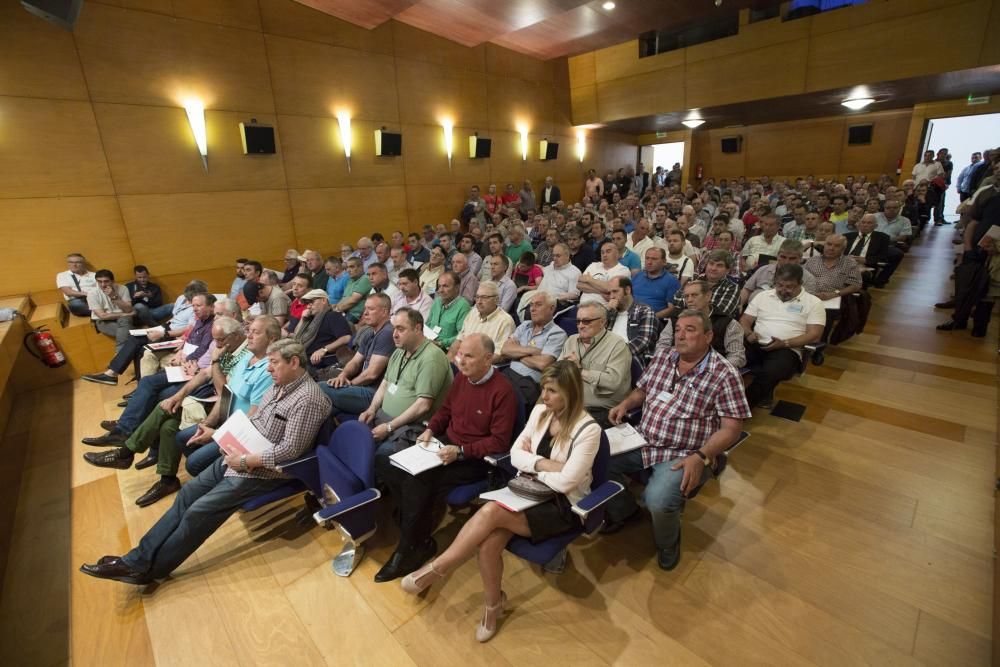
488 625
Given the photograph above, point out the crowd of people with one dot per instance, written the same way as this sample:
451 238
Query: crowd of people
677 307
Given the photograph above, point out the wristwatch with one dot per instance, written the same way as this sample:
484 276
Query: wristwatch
704 459
388 427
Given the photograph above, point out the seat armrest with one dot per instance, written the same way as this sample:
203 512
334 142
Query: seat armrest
346 505
739 441
307 462
633 416
813 348
597 497
497 459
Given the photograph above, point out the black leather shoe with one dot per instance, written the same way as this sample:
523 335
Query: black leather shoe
120 458
402 564
149 460
161 489
109 424
106 440
667 559
946 305
612 527
100 378
128 395
951 325
122 404
112 567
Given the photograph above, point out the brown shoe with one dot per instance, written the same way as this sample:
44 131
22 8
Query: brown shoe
108 439
120 458
112 567
109 424
161 489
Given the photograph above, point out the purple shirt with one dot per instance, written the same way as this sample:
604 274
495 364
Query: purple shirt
201 337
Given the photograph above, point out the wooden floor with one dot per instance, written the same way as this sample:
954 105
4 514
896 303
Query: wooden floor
862 534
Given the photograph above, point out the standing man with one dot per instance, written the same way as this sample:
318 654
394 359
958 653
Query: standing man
75 283
289 416
965 177
550 193
110 308
693 409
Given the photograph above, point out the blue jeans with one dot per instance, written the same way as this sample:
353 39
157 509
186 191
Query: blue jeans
202 505
147 316
662 495
349 400
151 390
199 458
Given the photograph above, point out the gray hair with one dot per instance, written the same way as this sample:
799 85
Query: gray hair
548 297
227 325
488 345
596 307
194 287
791 246
231 308
706 323
271 276
490 287
288 349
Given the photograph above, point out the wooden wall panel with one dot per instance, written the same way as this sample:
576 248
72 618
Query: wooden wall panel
131 134
325 218
433 204
622 61
142 58
35 60
426 161
292 19
317 80
512 101
752 36
46 229
643 94
583 69
314 154
584 104
429 92
888 142
793 146
410 43
504 62
858 55
216 226
990 52
715 82
232 13
50 148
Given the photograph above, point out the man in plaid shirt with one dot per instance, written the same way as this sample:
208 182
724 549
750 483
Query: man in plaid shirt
289 416
693 409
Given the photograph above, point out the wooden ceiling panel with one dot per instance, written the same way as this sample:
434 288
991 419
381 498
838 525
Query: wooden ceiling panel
366 13
452 19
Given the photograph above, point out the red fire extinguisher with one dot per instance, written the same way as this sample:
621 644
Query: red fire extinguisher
48 350
699 172
899 166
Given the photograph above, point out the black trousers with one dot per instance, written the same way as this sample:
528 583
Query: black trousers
524 386
416 495
129 352
893 257
768 369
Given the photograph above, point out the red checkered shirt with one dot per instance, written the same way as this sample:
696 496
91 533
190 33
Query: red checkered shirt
697 402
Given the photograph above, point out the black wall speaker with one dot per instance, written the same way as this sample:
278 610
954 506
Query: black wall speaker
548 150
479 147
858 135
257 139
388 143
732 144
61 12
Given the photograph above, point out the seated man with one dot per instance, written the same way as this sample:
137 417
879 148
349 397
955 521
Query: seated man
415 384
236 288
410 295
594 283
725 292
160 428
635 322
727 334
654 285
397 257
560 278
475 420
835 274
533 346
378 278
776 325
468 280
147 299
448 311
273 301
604 359
336 278
289 416
75 283
357 288
693 409
293 266
297 286
180 323
321 330
487 318
352 390
763 278
768 242
898 228
868 248
500 276
110 308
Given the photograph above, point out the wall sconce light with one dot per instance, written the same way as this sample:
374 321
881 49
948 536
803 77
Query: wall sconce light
448 126
344 119
581 144
196 119
523 129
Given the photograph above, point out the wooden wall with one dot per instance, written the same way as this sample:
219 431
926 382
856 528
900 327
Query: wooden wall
98 156
876 41
816 146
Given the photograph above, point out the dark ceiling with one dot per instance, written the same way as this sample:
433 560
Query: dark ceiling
899 94
541 28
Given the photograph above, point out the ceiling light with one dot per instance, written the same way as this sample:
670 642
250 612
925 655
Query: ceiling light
608 6
692 122
857 103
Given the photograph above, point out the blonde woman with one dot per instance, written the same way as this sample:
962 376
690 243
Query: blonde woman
558 445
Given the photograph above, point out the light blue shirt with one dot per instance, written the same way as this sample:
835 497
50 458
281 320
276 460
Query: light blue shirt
630 260
965 178
335 287
248 383
182 316
549 341
236 287
900 226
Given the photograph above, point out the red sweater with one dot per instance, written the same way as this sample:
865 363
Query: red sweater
480 418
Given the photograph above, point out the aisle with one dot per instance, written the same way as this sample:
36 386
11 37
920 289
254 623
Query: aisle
862 534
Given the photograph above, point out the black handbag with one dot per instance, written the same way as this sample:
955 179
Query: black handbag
528 486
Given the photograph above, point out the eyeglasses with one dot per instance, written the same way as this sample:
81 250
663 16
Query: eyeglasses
483 297
587 320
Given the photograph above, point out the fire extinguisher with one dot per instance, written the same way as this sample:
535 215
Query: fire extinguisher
699 171
48 350
899 166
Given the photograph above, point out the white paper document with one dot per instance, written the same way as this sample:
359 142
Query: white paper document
624 438
832 304
143 332
189 349
509 500
430 334
238 436
418 458
176 374
165 345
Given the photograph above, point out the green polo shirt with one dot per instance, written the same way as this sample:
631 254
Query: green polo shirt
426 374
360 286
449 318
514 252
